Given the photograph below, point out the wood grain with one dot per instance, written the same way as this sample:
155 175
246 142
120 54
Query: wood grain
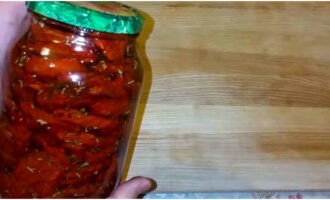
239 96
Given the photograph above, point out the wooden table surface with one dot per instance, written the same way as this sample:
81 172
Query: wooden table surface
239 96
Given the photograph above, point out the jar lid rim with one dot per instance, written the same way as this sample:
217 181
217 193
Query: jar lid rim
122 19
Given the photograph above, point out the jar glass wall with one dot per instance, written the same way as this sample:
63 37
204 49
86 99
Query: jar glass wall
70 97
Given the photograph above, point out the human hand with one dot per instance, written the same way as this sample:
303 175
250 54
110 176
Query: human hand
14 21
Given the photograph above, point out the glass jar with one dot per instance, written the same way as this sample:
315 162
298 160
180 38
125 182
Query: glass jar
70 96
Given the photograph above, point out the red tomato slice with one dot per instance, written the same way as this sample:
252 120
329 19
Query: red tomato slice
8 151
23 93
21 135
51 145
79 191
120 68
37 114
56 35
102 86
16 116
53 67
110 173
76 141
78 118
84 55
101 155
50 49
62 50
6 182
37 31
39 118
52 101
43 32
106 107
109 68
79 174
113 49
10 105
70 96
37 175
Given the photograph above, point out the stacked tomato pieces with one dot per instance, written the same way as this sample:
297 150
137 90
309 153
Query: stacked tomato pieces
68 101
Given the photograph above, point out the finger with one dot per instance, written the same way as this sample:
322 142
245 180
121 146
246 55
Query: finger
14 23
133 188
14 17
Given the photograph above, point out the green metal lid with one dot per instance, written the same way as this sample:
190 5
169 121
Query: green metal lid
111 17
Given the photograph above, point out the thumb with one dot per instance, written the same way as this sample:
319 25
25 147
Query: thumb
133 188
14 23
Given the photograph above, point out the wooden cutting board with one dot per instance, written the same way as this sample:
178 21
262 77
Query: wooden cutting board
239 96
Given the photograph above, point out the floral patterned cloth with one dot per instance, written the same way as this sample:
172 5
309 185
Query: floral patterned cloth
259 195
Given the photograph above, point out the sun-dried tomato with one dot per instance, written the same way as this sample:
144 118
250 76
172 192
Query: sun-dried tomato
37 115
110 107
52 101
36 175
21 136
113 49
51 145
62 50
81 171
53 67
109 174
79 118
80 191
6 182
68 101
50 49
7 144
22 92
43 32
77 141
100 154
110 68
85 54
103 86
9 104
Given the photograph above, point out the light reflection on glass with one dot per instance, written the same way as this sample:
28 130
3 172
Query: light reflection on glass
78 48
45 51
79 40
76 78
